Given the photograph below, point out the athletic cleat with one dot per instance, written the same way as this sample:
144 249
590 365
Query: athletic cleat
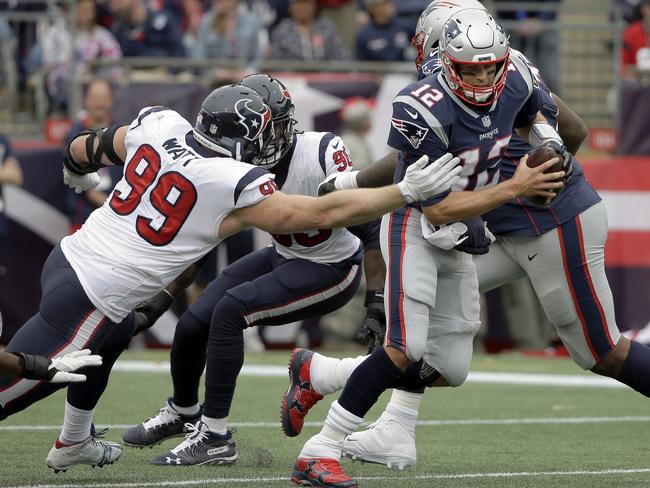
91 451
321 472
385 442
166 425
201 446
300 396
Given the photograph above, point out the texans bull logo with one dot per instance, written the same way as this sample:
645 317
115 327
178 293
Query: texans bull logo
253 121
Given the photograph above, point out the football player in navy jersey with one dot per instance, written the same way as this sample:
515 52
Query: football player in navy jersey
560 247
432 298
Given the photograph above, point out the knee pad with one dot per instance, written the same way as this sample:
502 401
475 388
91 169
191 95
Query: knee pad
451 356
229 315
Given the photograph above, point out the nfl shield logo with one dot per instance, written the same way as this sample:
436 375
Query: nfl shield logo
486 121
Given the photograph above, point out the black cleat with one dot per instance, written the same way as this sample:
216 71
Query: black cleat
166 425
201 446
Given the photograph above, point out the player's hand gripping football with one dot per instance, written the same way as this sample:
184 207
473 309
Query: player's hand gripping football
565 157
59 369
531 182
80 183
373 328
422 181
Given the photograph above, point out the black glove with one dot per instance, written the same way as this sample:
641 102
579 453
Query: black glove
478 240
373 328
327 186
565 157
146 314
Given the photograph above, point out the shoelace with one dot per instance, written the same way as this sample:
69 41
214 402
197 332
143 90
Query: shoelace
165 416
194 435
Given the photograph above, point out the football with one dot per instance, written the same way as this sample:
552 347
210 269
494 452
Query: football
538 156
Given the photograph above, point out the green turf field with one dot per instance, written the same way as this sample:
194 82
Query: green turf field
511 435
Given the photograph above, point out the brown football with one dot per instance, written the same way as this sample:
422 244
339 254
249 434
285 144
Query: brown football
538 156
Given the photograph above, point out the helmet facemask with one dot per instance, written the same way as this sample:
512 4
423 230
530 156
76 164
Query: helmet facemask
281 143
475 95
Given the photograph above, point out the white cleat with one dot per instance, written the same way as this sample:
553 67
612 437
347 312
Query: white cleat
91 451
385 442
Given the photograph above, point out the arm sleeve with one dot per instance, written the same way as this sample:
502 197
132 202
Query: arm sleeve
253 187
333 155
413 138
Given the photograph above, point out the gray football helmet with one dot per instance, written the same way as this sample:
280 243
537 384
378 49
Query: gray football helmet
472 37
431 21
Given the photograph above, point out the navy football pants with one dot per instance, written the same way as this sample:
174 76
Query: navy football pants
268 289
66 321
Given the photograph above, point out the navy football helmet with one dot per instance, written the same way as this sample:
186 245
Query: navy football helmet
234 121
277 97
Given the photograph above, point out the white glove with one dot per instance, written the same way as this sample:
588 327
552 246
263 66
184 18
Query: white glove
338 181
80 183
64 365
422 182
443 236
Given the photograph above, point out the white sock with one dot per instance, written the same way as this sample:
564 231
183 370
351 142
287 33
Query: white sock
406 416
322 372
407 399
193 410
345 368
220 426
329 442
76 425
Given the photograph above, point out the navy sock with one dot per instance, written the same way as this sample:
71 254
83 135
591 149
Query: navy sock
372 377
188 357
636 368
225 356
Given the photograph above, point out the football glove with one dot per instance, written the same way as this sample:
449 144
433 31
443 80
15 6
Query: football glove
565 157
478 237
80 183
373 327
338 181
146 314
59 369
421 181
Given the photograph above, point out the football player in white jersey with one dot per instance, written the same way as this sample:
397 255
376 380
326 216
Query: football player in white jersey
184 189
299 276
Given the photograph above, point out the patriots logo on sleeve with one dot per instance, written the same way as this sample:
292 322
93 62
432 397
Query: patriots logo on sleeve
254 122
413 133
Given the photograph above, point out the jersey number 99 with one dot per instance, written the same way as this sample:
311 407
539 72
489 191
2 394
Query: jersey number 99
173 196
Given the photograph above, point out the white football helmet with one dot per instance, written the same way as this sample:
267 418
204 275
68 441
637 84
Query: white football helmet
472 36
427 30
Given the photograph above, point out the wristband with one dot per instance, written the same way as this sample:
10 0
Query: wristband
346 181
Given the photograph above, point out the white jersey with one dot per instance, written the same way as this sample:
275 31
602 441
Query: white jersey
163 215
316 155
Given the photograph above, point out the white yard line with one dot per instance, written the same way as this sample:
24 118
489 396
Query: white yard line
505 378
420 423
285 479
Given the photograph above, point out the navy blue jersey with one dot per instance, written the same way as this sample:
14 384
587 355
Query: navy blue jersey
158 36
388 42
518 217
428 118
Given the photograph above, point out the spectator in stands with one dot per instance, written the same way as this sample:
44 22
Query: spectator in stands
356 116
533 33
98 104
229 31
343 14
385 38
144 32
636 46
305 35
10 174
60 56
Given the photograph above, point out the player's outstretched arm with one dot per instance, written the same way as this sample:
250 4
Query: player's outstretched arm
461 205
285 214
573 130
379 173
